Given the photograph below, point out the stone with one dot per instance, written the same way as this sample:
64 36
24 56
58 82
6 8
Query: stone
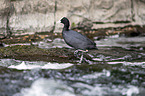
30 16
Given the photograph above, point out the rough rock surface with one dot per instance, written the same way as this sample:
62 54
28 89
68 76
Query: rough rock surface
29 16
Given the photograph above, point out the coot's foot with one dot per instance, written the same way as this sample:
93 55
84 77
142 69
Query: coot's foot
82 54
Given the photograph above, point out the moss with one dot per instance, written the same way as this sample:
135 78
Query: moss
33 53
73 25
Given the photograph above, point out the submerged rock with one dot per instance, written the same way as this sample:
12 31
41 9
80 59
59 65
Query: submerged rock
33 53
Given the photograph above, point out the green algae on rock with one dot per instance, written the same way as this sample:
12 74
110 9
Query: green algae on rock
33 53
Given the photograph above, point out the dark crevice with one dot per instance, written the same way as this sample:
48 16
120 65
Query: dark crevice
115 22
53 28
8 30
132 11
10 11
7 14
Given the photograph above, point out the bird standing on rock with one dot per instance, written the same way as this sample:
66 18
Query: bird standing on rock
75 39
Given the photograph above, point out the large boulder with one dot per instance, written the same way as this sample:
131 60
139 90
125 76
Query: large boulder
29 16
4 10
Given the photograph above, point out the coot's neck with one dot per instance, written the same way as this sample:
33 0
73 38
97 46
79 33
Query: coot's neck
66 26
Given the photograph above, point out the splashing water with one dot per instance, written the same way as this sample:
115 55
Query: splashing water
108 75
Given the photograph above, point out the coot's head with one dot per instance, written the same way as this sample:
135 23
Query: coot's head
65 21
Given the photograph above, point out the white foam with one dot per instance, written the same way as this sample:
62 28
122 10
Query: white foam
100 90
47 87
96 74
6 45
129 63
57 66
132 90
23 66
115 62
59 43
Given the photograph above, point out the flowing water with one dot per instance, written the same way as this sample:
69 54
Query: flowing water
123 75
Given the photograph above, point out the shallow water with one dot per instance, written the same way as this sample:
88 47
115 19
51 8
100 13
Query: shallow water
106 75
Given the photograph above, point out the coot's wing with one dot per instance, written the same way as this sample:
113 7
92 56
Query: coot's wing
77 40
81 37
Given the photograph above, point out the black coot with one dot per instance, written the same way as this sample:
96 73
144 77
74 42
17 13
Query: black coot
75 39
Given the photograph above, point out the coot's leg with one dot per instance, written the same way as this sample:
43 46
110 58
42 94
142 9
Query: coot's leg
81 59
79 50
76 54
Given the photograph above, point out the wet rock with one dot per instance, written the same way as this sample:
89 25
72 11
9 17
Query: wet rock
133 31
33 53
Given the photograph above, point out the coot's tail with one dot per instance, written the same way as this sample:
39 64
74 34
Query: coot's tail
95 48
92 47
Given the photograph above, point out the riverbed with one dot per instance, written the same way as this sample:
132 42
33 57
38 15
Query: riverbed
117 68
